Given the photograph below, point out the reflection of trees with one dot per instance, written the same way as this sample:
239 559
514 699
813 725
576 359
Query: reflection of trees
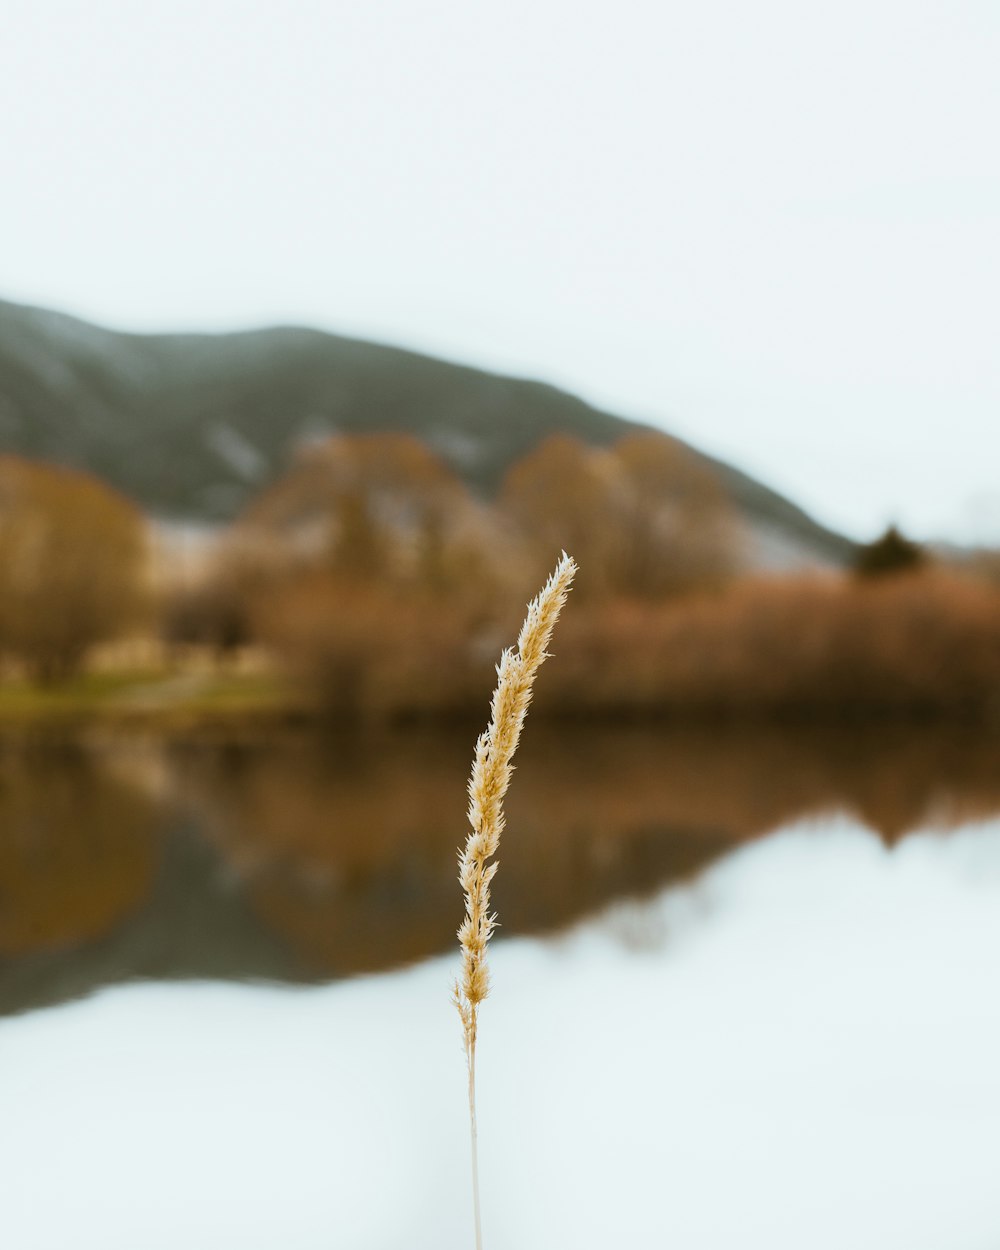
347 847
339 842
76 849
308 858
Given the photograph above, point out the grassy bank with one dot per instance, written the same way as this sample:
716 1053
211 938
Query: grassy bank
171 700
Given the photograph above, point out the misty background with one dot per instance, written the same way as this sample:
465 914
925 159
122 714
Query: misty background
770 229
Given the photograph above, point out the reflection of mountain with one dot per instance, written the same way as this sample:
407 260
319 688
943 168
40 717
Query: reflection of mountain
192 425
297 859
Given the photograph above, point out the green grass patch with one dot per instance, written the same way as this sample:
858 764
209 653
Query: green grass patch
155 696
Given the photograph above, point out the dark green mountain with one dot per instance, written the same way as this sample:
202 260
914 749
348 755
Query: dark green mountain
192 425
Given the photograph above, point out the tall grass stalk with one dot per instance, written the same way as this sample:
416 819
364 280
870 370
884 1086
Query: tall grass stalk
491 772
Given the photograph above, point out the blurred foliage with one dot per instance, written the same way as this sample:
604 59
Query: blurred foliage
643 519
214 612
372 577
388 588
72 566
890 553
924 643
379 509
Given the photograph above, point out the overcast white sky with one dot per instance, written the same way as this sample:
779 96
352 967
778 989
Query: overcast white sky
771 227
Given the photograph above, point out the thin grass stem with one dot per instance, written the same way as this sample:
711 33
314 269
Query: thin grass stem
491 773
475 1149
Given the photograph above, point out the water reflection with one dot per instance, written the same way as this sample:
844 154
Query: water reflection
78 850
296 857
807 1060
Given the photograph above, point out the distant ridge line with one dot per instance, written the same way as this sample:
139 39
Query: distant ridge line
192 424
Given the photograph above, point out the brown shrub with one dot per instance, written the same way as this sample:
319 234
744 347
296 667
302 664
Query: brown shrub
374 652
826 646
922 643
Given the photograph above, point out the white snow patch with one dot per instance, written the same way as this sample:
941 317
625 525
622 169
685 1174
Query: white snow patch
236 451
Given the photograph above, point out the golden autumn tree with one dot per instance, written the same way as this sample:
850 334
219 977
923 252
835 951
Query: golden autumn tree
563 496
381 562
72 565
369 507
677 528
645 519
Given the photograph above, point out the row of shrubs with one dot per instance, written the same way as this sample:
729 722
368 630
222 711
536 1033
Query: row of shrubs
369 575
920 643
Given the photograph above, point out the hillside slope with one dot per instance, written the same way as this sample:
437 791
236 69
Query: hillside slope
192 425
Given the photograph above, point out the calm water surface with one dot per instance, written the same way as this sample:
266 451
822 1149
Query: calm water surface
746 992
305 859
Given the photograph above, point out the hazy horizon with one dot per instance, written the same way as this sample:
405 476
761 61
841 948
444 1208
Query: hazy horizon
772 233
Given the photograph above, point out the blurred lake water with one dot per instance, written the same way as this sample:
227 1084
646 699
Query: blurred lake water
745 991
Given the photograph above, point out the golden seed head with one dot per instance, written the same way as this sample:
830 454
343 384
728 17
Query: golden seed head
491 773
